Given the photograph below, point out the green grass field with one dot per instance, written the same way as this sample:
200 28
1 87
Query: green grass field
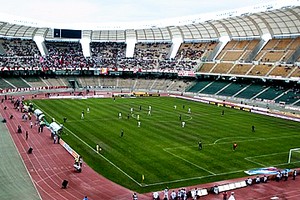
164 152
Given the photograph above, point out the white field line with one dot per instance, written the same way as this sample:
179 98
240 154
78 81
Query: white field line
190 162
255 162
99 153
192 178
255 139
266 155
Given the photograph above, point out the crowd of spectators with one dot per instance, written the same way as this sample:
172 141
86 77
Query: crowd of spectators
64 54
108 54
69 54
18 53
195 50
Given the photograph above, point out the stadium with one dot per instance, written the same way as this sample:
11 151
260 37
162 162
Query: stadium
207 107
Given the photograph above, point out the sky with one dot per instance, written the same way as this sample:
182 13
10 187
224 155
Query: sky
114 11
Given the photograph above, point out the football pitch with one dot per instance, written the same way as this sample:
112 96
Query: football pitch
161 152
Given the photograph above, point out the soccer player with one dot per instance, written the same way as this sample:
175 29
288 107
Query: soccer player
122 133
120 115
183 124
139 123
175 107
179 117
131 110
253 128
82 114
88 109
189 110
128 116
138 117
222 112
97 148
200 145
234 146
149 112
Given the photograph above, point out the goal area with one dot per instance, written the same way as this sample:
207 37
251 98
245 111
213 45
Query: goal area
294 155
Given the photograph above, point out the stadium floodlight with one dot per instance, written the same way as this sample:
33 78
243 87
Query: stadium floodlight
294 155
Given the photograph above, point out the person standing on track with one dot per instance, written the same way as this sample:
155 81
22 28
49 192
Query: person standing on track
85 198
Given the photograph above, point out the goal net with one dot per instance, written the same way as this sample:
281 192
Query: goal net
294 155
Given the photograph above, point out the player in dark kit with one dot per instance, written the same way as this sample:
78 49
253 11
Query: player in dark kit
122 133
200 145
234 146
253 128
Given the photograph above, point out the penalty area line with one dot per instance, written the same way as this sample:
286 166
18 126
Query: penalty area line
255 138
189 162
118 168
265 155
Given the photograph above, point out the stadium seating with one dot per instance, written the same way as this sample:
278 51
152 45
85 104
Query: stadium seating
5 85
198 86
237 50
17 82
231 90
34 81
214 87
281 71
290 96
222 68
241 69
270 94
260 70
250 91
207 67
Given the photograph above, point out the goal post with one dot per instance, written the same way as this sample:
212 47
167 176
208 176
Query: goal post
294 155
